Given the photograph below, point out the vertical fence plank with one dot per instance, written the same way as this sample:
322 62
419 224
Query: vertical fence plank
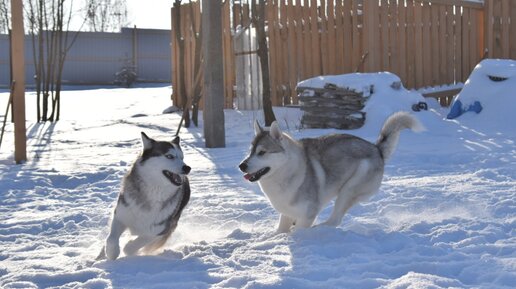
323 32
427 44
418 27
473 38
402 40
371 35
465 42
331 40
394 38
411 71
284 55
481 34
489 23
229 65
316 47
450 45
357 37
435 44
293 51
186 42
339 38
300 42
459 73
384 36
174 58
270 12
512 31
442 44
277 99
347 37
307 34
505 28
497 28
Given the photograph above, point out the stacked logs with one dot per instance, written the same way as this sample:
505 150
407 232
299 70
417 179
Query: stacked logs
333 106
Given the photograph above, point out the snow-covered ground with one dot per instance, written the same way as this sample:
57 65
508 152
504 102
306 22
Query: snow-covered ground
445 216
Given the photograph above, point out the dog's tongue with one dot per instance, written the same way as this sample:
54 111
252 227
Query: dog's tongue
247 176
177 179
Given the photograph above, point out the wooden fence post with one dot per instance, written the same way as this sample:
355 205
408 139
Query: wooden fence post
18 66
213 112
371 36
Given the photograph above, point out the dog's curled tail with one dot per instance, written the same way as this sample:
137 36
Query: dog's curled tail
391 129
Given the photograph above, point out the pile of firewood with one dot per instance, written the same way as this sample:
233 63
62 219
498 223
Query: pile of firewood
333 106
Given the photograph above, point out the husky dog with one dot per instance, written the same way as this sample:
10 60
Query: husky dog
300 177
154 193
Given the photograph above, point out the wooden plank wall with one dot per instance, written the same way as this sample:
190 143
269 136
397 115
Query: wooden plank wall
425 42
500 23
309 38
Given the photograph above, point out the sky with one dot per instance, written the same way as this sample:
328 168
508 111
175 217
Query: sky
150 14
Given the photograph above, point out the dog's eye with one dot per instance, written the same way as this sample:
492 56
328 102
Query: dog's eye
261 153
169 156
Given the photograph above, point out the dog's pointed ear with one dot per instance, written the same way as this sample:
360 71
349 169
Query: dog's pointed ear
176 140
146 141
275 131
257 128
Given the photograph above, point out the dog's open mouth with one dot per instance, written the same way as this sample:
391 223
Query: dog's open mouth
256 176
174 178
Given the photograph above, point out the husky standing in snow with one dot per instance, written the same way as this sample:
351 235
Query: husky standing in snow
300 177
153 194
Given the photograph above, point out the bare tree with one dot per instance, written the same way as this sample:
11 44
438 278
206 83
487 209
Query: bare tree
49 23
258 20
106 15
5 18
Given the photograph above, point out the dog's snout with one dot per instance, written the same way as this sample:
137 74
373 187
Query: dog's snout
186 169
243 166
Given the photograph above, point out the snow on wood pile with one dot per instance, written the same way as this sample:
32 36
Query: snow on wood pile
332 106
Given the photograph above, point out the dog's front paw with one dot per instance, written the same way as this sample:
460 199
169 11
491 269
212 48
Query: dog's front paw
281 231
328 223
132 247
112 250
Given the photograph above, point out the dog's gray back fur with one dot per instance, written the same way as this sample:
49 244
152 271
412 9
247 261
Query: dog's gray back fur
339 154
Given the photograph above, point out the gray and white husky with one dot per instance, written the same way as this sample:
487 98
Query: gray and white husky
153 195
300 177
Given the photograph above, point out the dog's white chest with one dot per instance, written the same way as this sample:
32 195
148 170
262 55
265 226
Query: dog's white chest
283 198
148 219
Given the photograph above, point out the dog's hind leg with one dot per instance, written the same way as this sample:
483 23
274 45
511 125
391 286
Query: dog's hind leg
304 223
112 245
364 182
132 247
342 205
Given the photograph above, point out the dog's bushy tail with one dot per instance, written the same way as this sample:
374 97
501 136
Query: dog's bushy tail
391 129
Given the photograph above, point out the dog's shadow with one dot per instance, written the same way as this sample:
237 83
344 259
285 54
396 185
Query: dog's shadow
361 254
161 271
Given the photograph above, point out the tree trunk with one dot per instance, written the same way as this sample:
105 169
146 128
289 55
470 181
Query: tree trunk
263 54
197 93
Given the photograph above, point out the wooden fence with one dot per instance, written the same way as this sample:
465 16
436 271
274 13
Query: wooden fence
425 42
